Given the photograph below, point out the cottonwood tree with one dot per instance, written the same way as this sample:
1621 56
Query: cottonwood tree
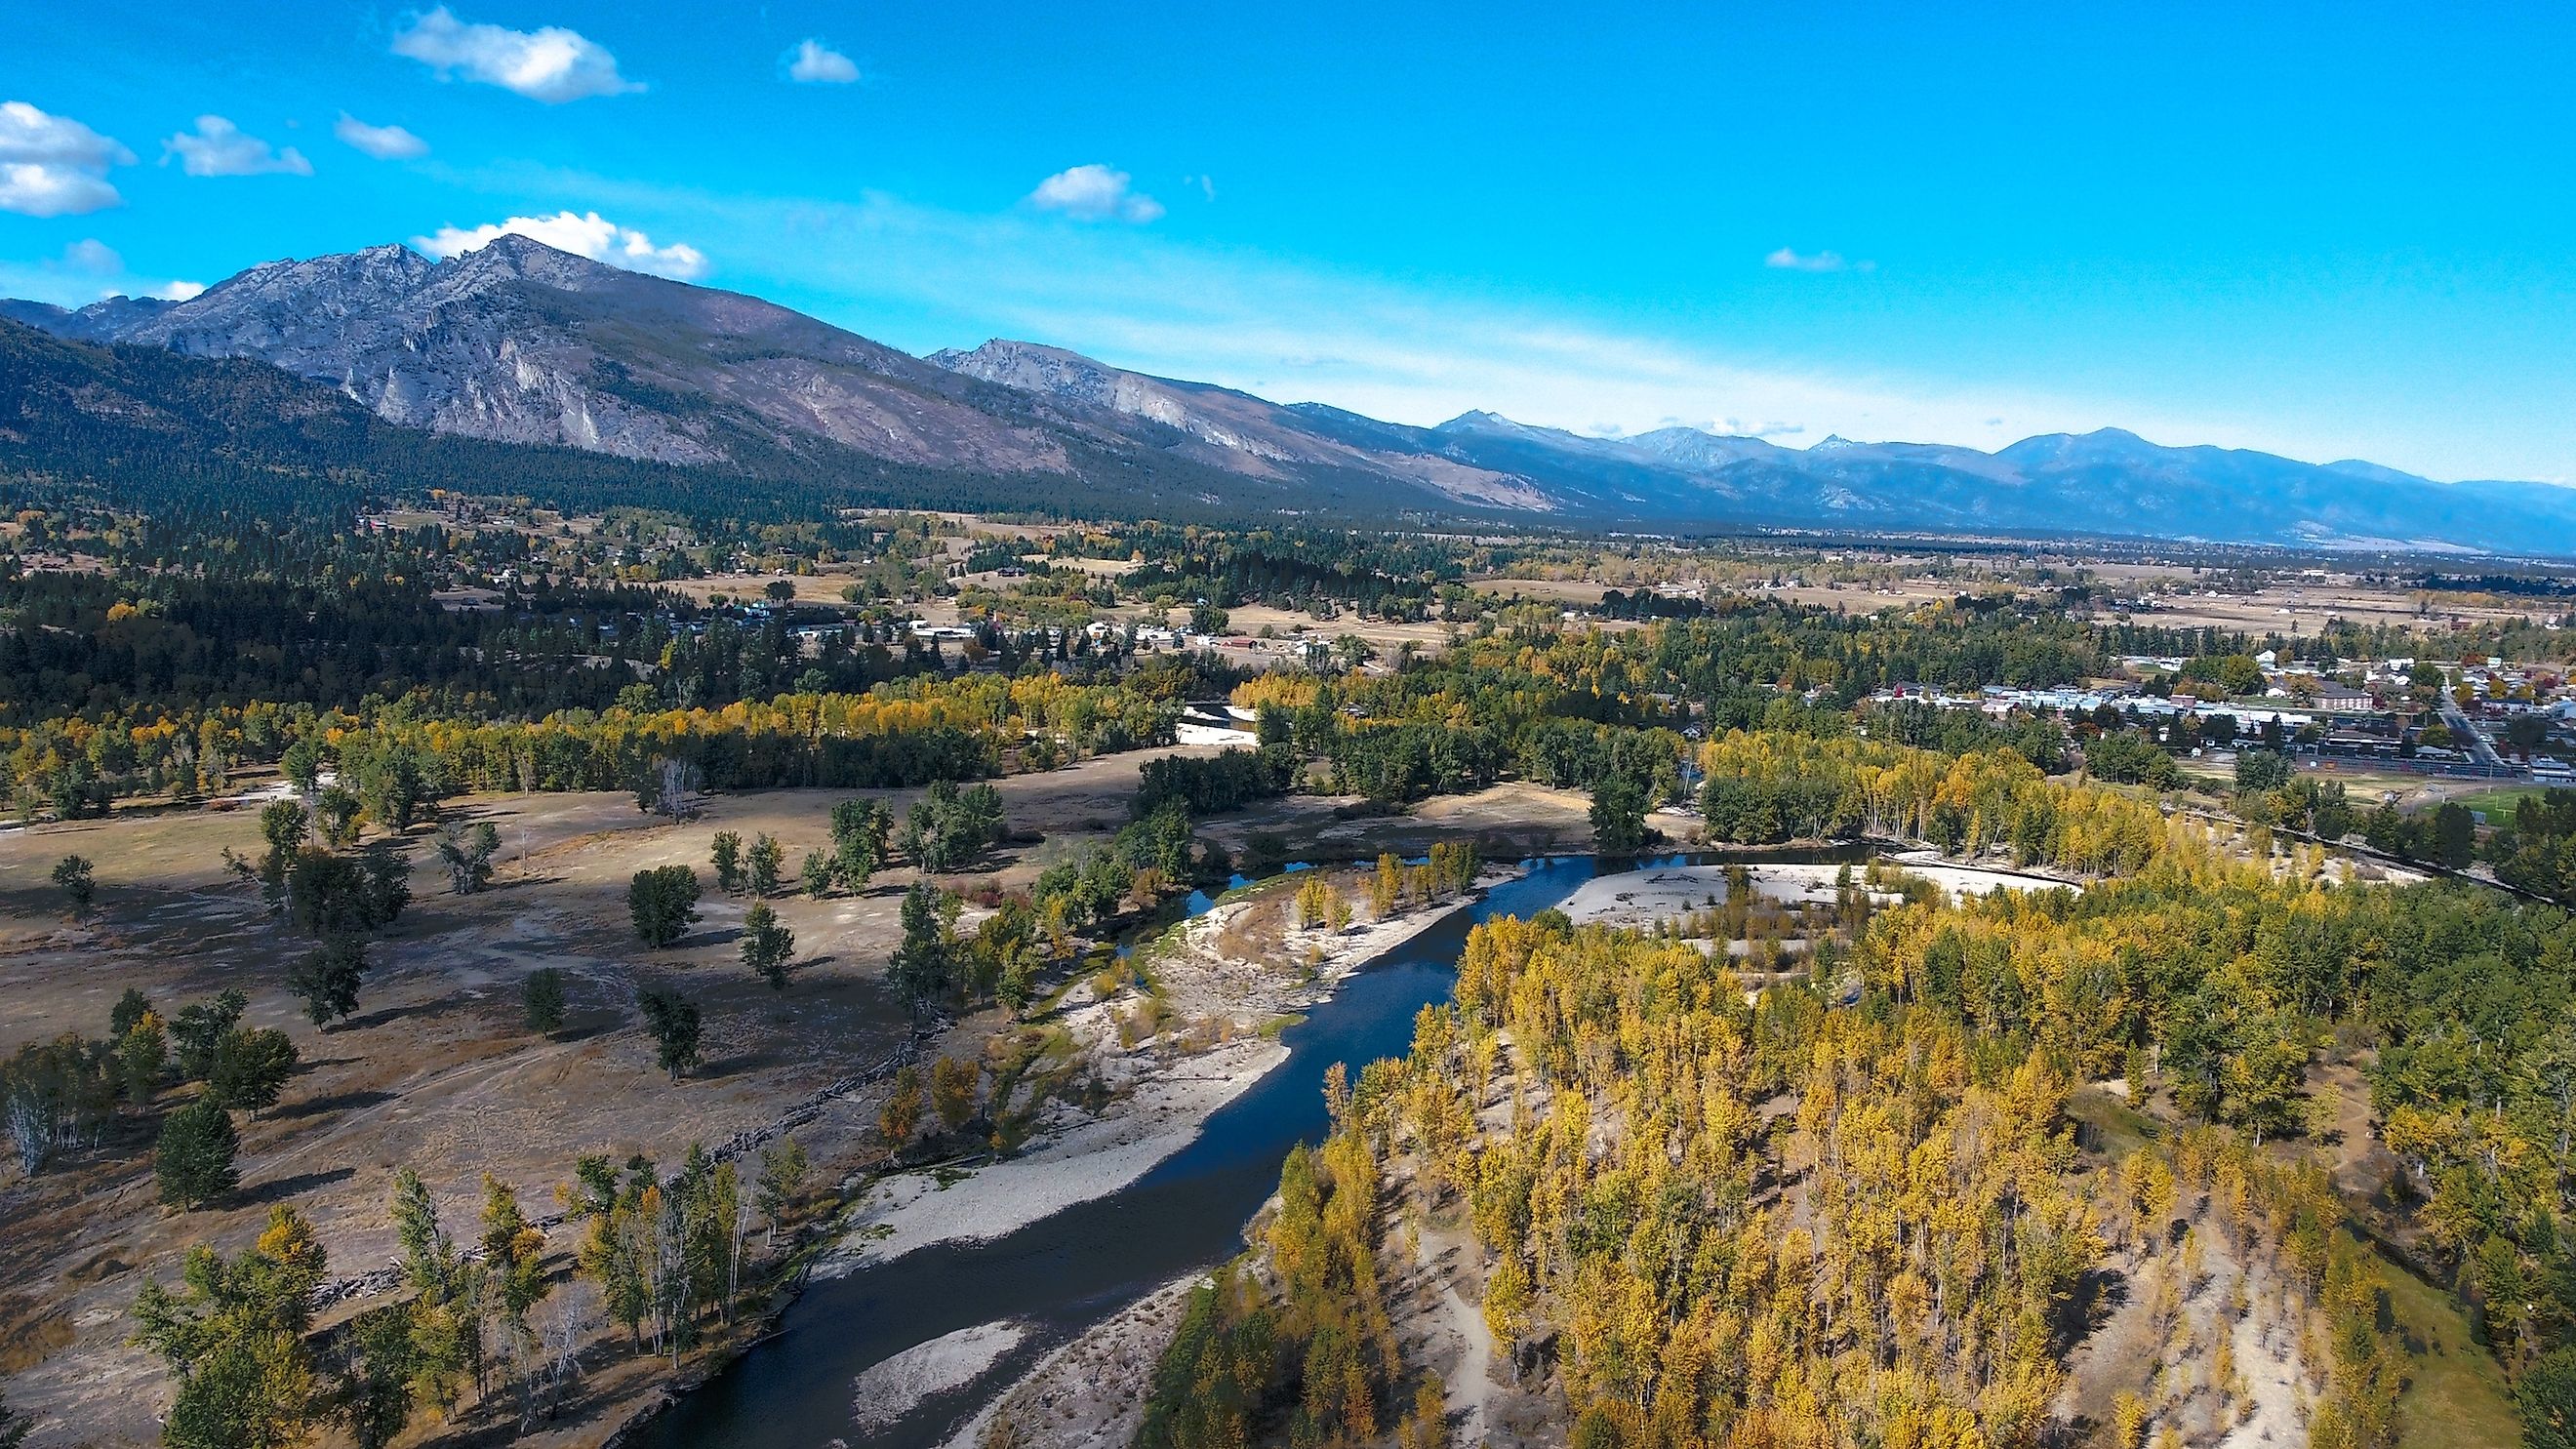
336 813
901 1111
1618 815
233 1335
251 1068
142 1057
53 1095
467 854
858 841
327 978
446 1312
952 1090
673 788
514 1252
372 1393
1386 888
664 903
921 967
199 1029
782 1177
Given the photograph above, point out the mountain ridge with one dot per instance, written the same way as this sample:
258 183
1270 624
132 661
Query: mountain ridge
516 342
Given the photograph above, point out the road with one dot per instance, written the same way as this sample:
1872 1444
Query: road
2466 731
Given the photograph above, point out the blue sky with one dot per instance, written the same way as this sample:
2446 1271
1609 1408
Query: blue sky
2329 231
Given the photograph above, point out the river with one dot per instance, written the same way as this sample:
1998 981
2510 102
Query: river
1063 1274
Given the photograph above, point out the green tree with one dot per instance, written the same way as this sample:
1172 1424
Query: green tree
2455 835
285 826
816 874
250 1068
327 978
672 1021
2239 674
726 856
142 1055
193 1162
761 866
2547 1398
336 815
542 997
371 1392
664 903
446 1324
1618 815
199 1029
920 969
233 1333
767 945
130 1008
302 764
468 855
782 1177
72 874
2261 770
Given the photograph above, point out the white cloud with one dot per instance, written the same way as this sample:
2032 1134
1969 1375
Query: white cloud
1747 428
1789 259
1095 193
219 148
53 165
93 255
583 234
553 65
816 63
178 291
1410 351
385 143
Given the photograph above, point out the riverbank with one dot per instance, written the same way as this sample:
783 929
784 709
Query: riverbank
1640 899
1217 988
1092 1390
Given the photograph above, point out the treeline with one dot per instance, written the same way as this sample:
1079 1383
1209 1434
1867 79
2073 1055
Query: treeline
403 758
1227 780
1388 576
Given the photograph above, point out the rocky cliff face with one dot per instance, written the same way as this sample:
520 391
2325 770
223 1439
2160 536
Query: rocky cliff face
518 342
1235 430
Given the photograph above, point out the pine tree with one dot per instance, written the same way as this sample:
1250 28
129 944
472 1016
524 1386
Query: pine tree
672 1021
193 1162
542 998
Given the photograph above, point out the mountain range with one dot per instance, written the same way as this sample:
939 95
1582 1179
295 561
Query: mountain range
520 344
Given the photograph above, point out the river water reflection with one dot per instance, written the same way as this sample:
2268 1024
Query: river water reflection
1064 1273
